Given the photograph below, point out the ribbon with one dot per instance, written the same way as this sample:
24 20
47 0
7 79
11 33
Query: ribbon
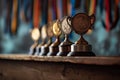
28 11
14 23
49 11
109 23
8 16
87 6
54 10
92 7
59 9
36 13
64 7
44 11
116 14
69 7
73 7
100 3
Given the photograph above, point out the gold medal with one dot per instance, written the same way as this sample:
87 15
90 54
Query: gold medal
56 28
35 34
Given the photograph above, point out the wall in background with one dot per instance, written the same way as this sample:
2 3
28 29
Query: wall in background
105 41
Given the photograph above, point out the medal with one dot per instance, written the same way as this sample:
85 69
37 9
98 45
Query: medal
35 34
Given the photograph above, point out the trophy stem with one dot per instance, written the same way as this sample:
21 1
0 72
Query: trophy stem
82 41
66 38
45 48
38 48
53 49
33 48
81 48
57 40
65 47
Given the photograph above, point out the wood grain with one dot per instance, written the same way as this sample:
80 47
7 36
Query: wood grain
78 60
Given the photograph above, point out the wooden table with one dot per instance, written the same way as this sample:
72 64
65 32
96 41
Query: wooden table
25 67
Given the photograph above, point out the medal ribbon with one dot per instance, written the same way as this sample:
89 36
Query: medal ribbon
73 7
28 11
69 7
49 11
107 7
59 9
64 7
109 23
36 13
87 6
54 10
14 23
8 16
116 14
44 8
92 7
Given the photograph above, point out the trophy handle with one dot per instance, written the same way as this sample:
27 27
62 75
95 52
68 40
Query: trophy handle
92 19
69 19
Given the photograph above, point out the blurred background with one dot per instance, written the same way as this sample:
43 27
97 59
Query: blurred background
18 17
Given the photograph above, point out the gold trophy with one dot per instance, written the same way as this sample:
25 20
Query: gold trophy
45 48
35 34
65 46
54 49
81 23
43 37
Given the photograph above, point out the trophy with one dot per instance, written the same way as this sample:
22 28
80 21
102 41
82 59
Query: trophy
81 23
54 49
45 48
35 34
43 37
65 46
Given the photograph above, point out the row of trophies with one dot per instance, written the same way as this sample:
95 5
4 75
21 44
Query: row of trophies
80 23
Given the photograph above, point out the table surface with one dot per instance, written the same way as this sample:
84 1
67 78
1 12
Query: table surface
77 60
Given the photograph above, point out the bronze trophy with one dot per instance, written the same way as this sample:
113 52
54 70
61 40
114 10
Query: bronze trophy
54 49
65 46
43 37
81 23
45 48
35 34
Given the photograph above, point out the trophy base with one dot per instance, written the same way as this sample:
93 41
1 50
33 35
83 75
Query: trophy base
53 50
38 50
44 51
81 50
52 54
81 54
32 51
62 53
